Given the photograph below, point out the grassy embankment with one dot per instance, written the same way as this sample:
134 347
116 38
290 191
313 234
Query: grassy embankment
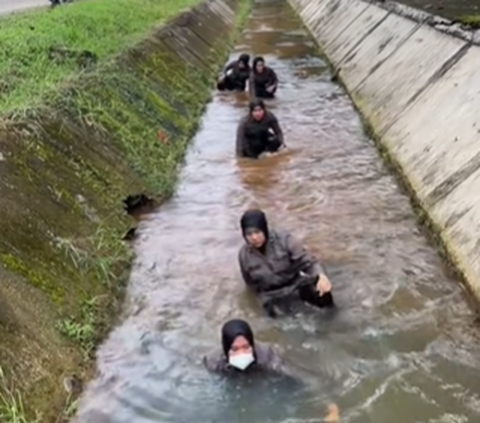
103 27
89 113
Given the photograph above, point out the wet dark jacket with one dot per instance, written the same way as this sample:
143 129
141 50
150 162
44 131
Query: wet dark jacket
238 77
267 359
253 136
279 267
260 81
269 362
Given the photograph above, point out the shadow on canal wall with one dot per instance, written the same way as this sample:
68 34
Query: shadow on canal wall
116 132
415 78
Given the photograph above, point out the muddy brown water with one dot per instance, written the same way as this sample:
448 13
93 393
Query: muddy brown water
403 347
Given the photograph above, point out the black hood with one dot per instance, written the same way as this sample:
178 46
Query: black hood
255 61
245 59
256 103
254 219
231 330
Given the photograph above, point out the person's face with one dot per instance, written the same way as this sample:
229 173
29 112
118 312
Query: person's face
240 346
258 113
260 66
255 237
241 65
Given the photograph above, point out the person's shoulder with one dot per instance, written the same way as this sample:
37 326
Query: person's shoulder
280 235
243 120
268 355
265 347
214 361
271 115
270 69
243 251
264 350
283 239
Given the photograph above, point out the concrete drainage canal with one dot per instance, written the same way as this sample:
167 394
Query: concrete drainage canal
403 347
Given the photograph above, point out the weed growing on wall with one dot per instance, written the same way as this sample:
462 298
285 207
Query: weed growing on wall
83 328
471 21
100 259
12 409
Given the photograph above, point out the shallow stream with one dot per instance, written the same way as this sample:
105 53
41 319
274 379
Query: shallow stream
403 347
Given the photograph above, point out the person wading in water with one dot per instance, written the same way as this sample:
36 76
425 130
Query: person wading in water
241 355
263 80
235 75
259 132
275 265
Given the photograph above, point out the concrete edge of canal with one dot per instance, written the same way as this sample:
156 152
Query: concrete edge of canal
415 78
115 131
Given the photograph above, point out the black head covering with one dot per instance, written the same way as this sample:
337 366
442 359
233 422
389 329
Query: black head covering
231 330
256 103
254 219
255 61
245 58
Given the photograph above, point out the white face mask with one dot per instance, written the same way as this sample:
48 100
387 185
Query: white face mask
241 361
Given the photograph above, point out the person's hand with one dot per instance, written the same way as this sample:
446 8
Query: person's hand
323 285
266 154
333 414
270 88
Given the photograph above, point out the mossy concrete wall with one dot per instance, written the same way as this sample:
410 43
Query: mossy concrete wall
65 168
416 79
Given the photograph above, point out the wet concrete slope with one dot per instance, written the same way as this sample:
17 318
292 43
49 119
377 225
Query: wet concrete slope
403 347
418 87
65 168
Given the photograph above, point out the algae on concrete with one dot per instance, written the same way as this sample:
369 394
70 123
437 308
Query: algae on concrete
68 161
471 21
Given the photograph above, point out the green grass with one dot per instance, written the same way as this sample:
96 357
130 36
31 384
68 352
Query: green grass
101 258
12 408
98 256
473 21
13 405
27 70
82 330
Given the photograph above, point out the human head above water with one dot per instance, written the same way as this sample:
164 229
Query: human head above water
257 109
238 343
243 61
258 64
254 227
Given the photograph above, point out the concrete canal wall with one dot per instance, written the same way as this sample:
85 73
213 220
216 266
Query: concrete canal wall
65 167
416 79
